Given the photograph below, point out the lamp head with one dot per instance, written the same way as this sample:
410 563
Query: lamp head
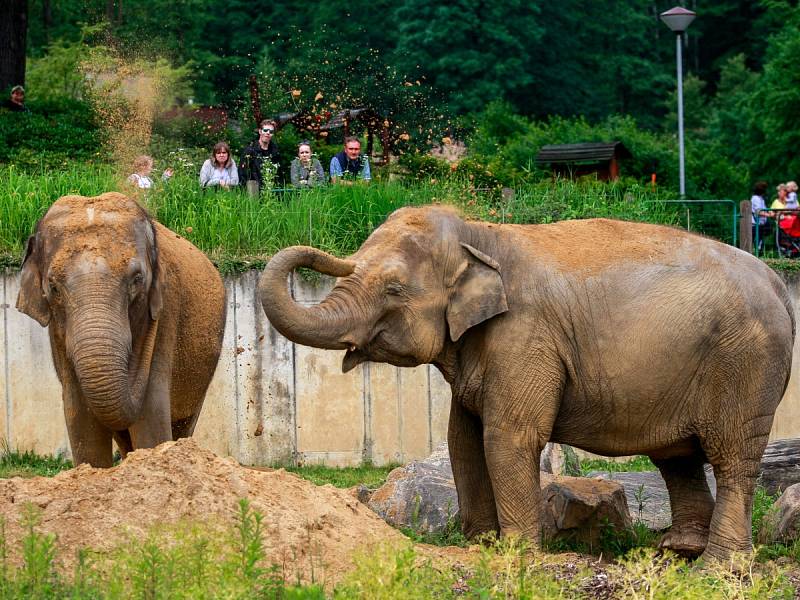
678 19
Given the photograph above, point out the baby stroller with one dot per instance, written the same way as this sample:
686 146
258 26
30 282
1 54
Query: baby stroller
787 234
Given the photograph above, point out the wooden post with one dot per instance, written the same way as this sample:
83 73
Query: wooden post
347 125
369 140
613 169
745 226
385 141
254 100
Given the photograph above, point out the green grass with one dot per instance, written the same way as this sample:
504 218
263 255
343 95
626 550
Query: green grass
16 463
344 477
638 463
239 232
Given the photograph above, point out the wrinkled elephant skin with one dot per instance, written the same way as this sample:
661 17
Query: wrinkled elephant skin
135 316
619 338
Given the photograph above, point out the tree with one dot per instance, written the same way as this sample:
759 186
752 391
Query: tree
13 31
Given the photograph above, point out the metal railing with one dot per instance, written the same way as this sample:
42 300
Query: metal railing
734 218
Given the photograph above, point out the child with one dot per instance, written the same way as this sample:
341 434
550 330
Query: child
142 167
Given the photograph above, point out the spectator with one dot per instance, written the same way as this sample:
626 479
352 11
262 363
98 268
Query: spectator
259 161
16 102
306 170
758 203
350 164
780 200
791 195
142 167
220 169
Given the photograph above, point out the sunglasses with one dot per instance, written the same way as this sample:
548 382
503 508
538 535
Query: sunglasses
267 130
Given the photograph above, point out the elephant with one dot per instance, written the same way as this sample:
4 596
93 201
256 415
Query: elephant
618 338
135 316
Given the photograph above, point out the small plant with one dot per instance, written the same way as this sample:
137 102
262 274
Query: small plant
639 463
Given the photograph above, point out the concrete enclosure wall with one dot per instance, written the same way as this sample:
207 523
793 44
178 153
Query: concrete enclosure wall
271 401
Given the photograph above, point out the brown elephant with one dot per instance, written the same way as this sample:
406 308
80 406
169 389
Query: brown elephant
136 316
618 338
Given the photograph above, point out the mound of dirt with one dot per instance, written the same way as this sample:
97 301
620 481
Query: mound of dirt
310 526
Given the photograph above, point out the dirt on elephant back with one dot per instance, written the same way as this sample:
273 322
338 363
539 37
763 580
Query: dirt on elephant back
305 526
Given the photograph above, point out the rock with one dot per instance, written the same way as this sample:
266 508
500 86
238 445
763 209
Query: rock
578 508
780 465
646 492
782 522
559 459
422 496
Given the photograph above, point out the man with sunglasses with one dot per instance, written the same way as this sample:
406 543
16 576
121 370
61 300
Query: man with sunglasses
252 165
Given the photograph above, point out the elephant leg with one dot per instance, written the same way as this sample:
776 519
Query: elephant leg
154 427
476 504
691 503
512 455
89 439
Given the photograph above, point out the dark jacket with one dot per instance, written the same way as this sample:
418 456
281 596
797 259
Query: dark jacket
14 107
252 159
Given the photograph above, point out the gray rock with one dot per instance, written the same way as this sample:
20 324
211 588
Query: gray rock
782 522
780 465
646 492
421 495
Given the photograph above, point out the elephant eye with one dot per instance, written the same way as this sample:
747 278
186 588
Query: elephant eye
54 291
394 288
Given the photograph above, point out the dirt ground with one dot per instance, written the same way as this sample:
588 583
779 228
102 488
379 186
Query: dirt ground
306 526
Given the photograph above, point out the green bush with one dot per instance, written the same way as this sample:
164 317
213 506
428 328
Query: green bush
53 134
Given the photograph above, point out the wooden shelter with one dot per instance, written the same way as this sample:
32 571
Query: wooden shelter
577 160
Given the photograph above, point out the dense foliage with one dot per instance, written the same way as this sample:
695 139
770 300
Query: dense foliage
573 71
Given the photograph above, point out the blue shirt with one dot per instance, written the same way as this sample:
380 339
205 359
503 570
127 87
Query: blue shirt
337 171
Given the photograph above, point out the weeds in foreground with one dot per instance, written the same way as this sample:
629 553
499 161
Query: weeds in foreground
638 463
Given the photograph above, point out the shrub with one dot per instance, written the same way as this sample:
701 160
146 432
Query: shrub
52 134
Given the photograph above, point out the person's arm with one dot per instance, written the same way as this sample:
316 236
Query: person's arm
245 169
365 173
294 173
205 173
234 173
336 169
319 171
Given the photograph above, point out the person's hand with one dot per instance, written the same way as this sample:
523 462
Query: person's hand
168 172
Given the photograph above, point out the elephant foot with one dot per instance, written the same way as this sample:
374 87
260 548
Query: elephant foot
686 541
476 529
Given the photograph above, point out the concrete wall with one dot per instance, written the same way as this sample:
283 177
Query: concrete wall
271 401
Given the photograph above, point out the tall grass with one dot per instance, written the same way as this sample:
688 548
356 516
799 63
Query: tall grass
336 219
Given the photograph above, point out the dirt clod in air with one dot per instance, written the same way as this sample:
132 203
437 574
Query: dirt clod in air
305 526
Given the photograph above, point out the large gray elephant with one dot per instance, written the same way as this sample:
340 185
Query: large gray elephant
618 338
136 316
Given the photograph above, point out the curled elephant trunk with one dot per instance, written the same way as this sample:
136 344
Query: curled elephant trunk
99 346
325 325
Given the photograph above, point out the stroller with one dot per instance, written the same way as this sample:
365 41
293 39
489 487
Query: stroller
787 234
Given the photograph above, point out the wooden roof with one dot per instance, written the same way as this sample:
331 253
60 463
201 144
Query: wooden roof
587 152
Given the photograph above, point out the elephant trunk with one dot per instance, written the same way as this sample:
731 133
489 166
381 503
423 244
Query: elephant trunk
99 345
325 325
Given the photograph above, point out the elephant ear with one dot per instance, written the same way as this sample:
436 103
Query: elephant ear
479 293
31 299
155 296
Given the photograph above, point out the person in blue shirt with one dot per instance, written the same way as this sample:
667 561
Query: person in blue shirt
350 165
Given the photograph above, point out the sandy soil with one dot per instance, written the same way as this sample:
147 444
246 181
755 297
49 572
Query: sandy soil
306 526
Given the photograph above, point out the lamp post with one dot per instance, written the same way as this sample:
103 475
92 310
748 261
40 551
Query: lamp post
678 19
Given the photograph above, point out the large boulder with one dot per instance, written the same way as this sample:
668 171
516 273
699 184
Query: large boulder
782 522
780 465
646 492
422 495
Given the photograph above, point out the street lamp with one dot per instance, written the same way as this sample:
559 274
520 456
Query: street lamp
678 19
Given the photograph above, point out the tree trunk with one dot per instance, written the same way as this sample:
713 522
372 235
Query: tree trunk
47 19
13 34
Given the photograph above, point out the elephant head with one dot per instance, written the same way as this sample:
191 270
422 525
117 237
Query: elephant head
91 273
415 286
